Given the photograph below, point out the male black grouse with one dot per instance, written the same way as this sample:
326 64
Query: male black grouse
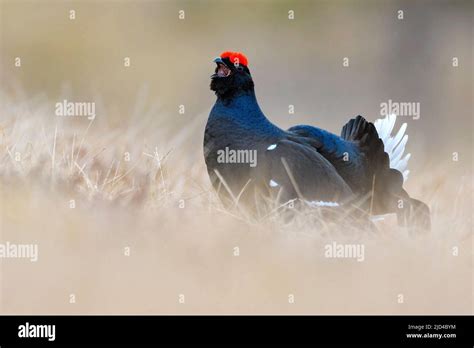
249 159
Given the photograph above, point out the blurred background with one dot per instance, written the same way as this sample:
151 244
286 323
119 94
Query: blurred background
297 62
293 62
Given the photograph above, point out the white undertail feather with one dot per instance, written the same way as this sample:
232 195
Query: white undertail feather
394 144
323 204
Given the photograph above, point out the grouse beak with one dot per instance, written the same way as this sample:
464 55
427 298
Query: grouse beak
218 60
221 70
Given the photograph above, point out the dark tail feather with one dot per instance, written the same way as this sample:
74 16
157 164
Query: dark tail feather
414 214
388 195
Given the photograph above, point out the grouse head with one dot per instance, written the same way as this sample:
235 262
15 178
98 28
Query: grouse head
231 76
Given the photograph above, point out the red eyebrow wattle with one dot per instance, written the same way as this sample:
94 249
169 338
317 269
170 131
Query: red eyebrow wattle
235 57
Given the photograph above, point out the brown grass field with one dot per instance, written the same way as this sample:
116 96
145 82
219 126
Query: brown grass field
182 241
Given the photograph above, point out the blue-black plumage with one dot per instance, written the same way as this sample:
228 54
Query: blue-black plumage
303 162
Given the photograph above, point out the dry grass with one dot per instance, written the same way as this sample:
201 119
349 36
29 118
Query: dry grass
189 250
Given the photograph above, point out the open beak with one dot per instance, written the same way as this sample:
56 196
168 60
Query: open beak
221 70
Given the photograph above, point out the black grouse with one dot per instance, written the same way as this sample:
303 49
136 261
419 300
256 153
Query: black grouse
251 161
